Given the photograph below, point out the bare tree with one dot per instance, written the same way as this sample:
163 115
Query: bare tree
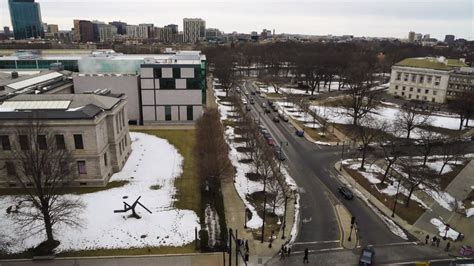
211 149
428 141
224 71
416 177
43 170
391 148
359 100
463 105
369 130
452 151
275 191
408 118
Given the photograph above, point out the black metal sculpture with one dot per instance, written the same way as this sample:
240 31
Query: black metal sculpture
127 207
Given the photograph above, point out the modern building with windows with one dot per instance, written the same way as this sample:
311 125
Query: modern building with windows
26 19
92 127
423 79
461 81
194 29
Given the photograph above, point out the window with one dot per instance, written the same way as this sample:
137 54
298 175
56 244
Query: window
60 143
409 96
42 142
403 88
157 72
434 92
417 97
427 91
176 72
411 89
433 99
396 93
403 94
168 113
413 78
429 79
123 118
24 143
79 144
418 90
422 78
189 112
405 77
11 171
396 87
167 84
5 140
399 75
81 167
105 159
437 80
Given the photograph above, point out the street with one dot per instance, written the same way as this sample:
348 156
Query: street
312 167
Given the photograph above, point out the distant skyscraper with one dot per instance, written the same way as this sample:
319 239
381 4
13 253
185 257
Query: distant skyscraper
193 29
83 31
145 31
449 39
26 19
411 36
418 37
121 27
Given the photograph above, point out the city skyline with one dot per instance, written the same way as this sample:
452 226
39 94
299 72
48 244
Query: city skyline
366 18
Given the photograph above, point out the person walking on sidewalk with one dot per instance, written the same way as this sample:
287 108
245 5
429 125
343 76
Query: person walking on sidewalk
306 253
282 251
437 242
288 251
433 241
448 245
427 239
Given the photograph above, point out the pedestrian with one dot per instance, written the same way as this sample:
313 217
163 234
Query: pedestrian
247 245
282 251
306 253
288 251
426 239
448 245
433 241
437 242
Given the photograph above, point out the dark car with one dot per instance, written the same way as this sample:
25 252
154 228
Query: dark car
267 110
276 119
299 133
271 141
346 193
253 92
252 101
367 256
280 155
267 135
247 108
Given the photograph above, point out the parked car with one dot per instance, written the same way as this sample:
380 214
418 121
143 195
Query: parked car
253 92
346 193
285 118
247 107
280 155
367 256
271 141
267 110
267 135
264 105
238 90
276 119
246 93
244 101
252 101
299 133
275 108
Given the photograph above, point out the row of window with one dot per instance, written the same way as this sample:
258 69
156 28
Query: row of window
416 78
418 90
70 65
460 87
123 144
417 97
176 72
81 167
461 79
41 141
120 121
172 84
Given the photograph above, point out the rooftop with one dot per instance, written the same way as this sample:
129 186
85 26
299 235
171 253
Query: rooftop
56 106
437 63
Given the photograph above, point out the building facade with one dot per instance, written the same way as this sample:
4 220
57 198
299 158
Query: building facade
83 31
194 29
26 19
121 27
133 31
422 79
461 81
92 127
145 31
107 32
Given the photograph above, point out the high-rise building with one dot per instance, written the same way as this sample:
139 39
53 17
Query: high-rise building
173 27
194 29
145 31
26 19
213 33
121 27
449 38
411 36
107 32
132 31
83 31
418 37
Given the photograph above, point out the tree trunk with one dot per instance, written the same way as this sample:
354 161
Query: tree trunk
442 168
408 133
460 124
386 171
467 122
425 159
48 226
409 195
364 153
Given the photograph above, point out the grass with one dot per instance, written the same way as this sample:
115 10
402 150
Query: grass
69 190
271 220
187 185
155 187
431 64
409 214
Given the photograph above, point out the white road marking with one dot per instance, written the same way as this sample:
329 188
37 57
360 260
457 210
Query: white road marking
319 250
316 242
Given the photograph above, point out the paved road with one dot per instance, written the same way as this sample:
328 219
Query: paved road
312 167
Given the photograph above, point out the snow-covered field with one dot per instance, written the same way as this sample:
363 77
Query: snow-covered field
389 114
451 233
153 161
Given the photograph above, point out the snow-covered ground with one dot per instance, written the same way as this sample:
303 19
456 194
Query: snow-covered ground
104 229
453 234
389 114
470 212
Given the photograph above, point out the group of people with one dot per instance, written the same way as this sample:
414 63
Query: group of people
435 241
285 251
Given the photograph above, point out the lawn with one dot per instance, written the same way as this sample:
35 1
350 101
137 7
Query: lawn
314 133
188 195
409 214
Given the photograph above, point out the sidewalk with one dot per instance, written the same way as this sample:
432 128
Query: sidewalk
234 212
196 259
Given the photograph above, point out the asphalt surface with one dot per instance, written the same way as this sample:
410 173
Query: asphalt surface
312 168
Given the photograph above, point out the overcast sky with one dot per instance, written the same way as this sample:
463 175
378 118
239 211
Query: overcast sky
382 18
